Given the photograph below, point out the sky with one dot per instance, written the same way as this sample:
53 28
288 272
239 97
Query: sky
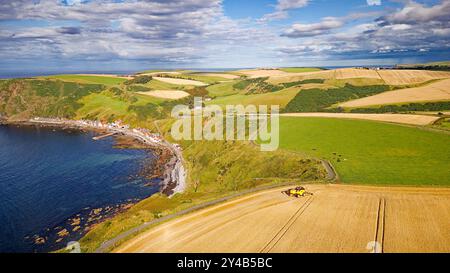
131 35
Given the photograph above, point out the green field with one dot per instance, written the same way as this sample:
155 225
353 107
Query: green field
299 69
202 77
365 152
89 79
281 98
222 89
159 85
196 77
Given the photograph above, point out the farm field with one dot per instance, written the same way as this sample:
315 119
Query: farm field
221 75
281 98
394 118
166 94
260 73
402 77
390 77
205 78
92 79
288 224
180 81
157 72
351 73
159 85
299 69
435 91
368 152
426 65
222 89
292 77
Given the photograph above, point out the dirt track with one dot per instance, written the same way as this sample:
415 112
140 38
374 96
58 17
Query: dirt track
338 218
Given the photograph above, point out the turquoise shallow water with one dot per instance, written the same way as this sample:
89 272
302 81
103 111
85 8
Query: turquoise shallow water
49 176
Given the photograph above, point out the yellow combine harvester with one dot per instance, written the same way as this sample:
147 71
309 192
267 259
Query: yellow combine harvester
297 192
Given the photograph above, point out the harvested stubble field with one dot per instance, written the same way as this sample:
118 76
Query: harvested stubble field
180 81
402 77
436 91
350 73
292 77
394 118
166 94
262 73
221 75
337 218
390 77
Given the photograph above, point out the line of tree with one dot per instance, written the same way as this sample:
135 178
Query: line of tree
297 83
430 106
139 80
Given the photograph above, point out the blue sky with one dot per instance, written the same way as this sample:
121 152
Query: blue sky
113 35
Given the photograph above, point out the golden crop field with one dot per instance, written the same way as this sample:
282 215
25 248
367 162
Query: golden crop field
166 94
337 218
436 91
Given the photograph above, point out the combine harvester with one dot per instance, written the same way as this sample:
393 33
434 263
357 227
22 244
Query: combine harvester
297 192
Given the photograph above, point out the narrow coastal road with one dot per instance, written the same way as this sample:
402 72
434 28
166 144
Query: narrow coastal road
338 218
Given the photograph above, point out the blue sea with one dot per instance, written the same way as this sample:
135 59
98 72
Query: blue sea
60 181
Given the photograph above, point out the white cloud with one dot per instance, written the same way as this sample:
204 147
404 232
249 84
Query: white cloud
282 7
404 32
315 29
415 13
73 2
158 31
291 4
374 2
192 32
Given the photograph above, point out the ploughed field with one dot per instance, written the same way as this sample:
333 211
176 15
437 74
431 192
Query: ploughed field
337 218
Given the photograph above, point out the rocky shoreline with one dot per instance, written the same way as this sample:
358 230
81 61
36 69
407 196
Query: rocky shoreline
170 160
